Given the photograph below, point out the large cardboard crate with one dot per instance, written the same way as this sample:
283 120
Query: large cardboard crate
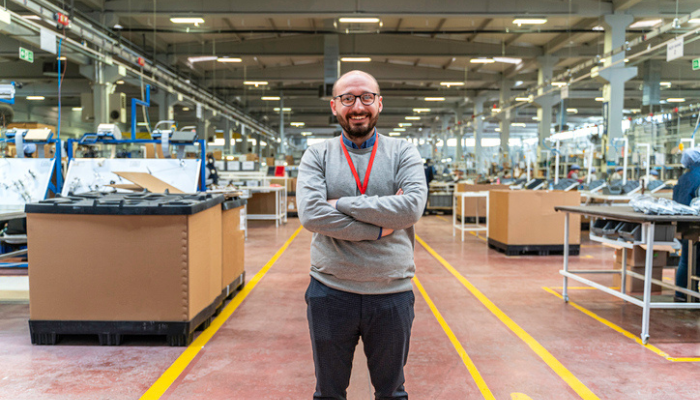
262 203
636 257
635 285
527 217
471 203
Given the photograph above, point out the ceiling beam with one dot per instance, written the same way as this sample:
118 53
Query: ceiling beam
565 38
481 27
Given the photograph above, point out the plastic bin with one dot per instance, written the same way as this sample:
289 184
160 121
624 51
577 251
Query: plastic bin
610 229
630 232
597 227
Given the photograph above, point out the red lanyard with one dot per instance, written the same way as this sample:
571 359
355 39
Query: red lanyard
362 187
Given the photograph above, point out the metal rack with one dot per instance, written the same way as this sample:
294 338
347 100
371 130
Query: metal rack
476 227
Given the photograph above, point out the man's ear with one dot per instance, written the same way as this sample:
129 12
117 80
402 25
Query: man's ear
333 107
381 105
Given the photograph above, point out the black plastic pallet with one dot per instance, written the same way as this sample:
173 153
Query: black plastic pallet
229 292
533 249
292 214
112 333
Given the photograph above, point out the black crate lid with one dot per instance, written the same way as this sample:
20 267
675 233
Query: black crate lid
99 203
233 203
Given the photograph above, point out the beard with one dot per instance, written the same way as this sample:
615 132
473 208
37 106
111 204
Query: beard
356 130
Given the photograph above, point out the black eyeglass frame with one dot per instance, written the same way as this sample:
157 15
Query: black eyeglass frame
354 100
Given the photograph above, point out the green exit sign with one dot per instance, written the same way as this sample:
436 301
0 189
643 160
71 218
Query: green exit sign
26 55
696 64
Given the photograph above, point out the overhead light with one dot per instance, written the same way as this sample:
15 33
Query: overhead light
627 60
403 124
229 60
449 84
599 99
77 109
421 110
572 110
187 20
598 28
434 99
197 59
255 83
35 97
142 123
400 129
355 59
270 98
412 118
646 23
495 110
120 82
667 84
694 21
520 124
508 60
497 129
675 100
185 109
535 119
355 20
306 134
297 124
284 109
481 60
62 58
522 99
117 27
38 18
530 21
394 133
558 84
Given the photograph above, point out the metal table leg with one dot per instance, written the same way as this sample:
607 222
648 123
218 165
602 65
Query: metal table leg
454 215
564 292
648 266
691 270
623 273
462 218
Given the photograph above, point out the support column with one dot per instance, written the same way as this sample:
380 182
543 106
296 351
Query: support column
244 141
258 146
505 117
615 76
103 78
545 103
651 91
478 125
227 136
165 107
459 133
282 144
445 136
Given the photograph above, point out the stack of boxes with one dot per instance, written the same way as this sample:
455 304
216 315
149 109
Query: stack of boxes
636 258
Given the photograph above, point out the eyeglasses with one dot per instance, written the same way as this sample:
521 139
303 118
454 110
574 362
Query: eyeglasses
348 100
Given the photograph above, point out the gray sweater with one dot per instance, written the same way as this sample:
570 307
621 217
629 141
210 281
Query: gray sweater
346 253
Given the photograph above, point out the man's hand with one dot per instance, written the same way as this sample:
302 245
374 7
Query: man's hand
400 192
332 202
387 232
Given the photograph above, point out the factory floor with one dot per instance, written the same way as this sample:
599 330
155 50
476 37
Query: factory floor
487 326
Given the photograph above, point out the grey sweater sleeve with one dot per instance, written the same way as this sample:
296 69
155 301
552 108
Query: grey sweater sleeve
393 212
316 214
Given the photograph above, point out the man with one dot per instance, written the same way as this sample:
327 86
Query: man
684 192
653 175
361 195
429 170
617 176
573 173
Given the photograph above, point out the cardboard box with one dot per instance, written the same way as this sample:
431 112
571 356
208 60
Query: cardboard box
262 203
289 160
635 285
292 204
270 161
471 204
32 125
218 155
636 257
124 267
233 242
251 157
527 217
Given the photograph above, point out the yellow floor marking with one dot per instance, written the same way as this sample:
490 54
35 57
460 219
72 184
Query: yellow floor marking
591 245
172 373
588 256
443 218
473 233
666 278
584 288
545 355
478 379
624 332
519 396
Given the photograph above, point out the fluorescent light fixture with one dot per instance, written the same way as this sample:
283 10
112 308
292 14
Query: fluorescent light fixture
355 59
434 99
255 83
482 60
219 131
120 82
185 109
77 109
142 124
598 28
297 124
535 118
599 99
520 124
394 133
497 129
508 60
306 134
229 60
35 97
694 21
187 20
404 124
675 100
400 129
356 20
572 110
270 98
61 58
197 59
558 84
38 18
495 110
667 84
449 84
412 118
117 27
530 21
646 23
522 99
421 110
285 109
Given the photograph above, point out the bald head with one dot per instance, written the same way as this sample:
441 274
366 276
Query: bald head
352 75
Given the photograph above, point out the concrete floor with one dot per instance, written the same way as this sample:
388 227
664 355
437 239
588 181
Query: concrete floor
519 340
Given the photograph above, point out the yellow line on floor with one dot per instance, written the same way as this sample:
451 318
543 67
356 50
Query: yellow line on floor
478 379
545 355
624 332
172 373
473 233
585 288
444 219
